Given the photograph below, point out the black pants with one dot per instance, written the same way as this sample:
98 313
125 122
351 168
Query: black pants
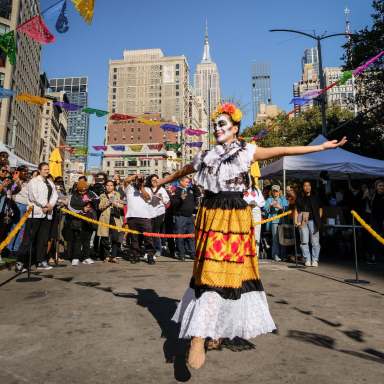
158 227
108 247
141 225
169 228
36 235
80 244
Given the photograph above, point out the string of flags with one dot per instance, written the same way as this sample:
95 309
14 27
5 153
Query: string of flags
36 29
345 76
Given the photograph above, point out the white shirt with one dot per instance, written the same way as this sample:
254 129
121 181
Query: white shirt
136 205
38 197
158 201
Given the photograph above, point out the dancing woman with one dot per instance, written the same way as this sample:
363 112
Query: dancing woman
226 298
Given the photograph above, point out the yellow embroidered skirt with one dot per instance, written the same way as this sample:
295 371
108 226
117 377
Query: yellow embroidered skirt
226 259
225 297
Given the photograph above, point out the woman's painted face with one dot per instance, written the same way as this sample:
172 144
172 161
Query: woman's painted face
223 128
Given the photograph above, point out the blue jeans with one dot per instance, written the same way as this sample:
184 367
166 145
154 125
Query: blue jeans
307 234
15 243
277 249
185 225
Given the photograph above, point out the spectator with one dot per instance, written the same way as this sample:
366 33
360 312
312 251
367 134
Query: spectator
377 218
255 200
307 217
184 203
6 212
275 205
20 197
159 202
98 189
111 207
42 196
168 220
138 217
56 225
119 186
83 201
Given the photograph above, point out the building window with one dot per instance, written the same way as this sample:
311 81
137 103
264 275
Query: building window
6 9
119 163
132 130
138 137
2 76
3 28
108 163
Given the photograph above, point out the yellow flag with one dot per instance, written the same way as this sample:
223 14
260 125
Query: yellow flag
148 122
31 99
85 8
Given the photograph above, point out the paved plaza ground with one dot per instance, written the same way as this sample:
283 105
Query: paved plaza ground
111 324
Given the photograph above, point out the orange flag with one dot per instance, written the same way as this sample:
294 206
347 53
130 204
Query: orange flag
85 8
30 99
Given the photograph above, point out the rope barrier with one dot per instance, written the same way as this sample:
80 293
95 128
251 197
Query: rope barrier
152 234
16 229
368 227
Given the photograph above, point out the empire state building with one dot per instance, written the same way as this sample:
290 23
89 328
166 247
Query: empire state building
207 79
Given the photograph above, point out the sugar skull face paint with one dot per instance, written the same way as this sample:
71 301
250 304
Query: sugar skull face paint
223 128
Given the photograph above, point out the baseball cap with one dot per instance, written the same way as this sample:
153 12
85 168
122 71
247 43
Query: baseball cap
276 188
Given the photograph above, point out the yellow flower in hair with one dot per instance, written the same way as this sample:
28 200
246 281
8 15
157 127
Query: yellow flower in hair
237 116
230 109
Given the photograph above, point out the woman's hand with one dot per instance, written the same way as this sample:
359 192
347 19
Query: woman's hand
334 143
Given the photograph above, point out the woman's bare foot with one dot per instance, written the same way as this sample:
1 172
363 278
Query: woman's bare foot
196 356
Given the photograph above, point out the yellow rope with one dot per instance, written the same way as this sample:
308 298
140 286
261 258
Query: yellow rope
273 218
368 228
121 229
92 221
16 229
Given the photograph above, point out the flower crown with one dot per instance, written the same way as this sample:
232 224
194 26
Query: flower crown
230 109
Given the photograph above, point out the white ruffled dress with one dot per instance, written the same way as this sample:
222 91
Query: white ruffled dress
209 314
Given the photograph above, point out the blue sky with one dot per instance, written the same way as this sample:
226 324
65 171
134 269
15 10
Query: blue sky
238 33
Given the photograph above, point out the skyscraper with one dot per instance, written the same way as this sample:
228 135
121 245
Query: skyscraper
207 79
311 56
261 86
76 89
19 122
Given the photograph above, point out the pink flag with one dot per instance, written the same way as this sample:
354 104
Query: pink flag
363 67
36 29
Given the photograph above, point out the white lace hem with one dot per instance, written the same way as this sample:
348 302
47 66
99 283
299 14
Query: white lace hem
212 316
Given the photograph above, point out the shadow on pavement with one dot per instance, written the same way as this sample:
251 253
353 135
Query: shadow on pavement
162 309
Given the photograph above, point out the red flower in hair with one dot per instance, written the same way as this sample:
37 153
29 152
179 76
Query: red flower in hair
228 108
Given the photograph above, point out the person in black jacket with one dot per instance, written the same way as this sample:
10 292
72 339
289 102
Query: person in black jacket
377 218
84 202
184 203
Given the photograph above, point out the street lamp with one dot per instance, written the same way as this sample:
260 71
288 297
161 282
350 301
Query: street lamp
322 96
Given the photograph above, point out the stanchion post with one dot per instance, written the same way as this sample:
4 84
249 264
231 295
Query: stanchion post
356 280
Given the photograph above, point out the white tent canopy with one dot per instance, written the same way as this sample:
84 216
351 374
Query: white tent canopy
339 163
14 160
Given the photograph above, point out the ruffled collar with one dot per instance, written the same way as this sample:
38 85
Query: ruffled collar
221 153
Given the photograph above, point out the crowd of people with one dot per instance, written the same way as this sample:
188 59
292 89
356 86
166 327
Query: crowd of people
138 203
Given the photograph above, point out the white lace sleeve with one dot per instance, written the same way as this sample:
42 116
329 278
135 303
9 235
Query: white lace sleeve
197 161
251 149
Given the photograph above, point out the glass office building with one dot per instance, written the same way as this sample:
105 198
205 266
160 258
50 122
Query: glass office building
311 56
261 86
76 89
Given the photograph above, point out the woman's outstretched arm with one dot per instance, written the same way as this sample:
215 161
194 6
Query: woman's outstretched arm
186 170
268 153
